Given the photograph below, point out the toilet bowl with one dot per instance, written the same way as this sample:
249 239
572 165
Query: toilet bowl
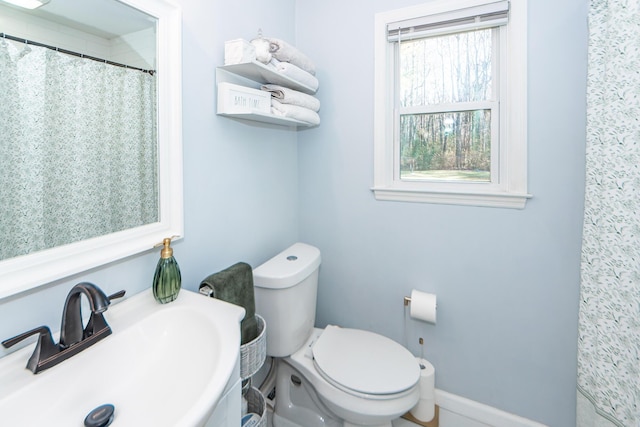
370 390
331 377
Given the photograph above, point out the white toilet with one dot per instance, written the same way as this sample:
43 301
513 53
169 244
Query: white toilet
334 377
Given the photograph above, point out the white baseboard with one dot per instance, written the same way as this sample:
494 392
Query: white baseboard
457 411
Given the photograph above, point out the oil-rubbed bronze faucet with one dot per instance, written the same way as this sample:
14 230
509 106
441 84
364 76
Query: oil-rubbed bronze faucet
73 336
72 331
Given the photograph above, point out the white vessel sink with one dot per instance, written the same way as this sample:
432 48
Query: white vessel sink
164 365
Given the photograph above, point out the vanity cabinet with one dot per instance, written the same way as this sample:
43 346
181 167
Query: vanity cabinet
229 408
252 75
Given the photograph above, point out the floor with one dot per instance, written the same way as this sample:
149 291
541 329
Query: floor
400 422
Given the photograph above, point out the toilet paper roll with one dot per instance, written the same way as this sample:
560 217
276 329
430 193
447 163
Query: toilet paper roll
427 379
425 408
423 306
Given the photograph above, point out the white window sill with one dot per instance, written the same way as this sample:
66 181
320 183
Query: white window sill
495 200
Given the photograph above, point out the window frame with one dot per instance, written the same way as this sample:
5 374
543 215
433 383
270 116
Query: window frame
508 188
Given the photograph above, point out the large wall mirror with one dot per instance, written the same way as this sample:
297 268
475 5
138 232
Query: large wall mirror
90 135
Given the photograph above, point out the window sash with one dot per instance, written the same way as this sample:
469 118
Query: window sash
492 106
498 66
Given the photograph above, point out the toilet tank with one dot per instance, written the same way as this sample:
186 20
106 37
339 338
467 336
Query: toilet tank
285 292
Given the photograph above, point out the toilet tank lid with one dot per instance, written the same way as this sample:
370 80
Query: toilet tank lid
288 268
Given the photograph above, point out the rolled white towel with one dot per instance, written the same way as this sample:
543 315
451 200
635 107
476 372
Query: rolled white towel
294 112
262 50
283 51
295 73
293 97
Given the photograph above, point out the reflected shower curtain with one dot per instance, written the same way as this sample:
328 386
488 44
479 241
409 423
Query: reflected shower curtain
78 149
609 321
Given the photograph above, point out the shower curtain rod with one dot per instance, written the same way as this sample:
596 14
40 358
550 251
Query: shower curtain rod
69 52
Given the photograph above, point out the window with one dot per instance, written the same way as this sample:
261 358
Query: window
450 103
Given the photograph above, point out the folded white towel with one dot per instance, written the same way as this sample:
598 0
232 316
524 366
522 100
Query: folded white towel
262 50
295 73
293 97
294 112
283 51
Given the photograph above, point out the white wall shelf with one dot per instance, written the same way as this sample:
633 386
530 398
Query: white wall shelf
262 74
253 75
267 118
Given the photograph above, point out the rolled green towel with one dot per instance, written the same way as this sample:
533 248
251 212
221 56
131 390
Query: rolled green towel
235 285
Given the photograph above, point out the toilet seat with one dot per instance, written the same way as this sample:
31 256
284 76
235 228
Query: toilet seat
362 362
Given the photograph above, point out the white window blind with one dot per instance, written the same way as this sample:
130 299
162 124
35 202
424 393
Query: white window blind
471 18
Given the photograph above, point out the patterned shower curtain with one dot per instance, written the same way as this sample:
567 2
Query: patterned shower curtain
78 149
609 321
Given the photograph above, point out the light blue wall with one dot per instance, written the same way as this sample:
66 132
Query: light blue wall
240 181
507 280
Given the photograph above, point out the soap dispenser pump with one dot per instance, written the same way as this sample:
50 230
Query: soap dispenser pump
167 279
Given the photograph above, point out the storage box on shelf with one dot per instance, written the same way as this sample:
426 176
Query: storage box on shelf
238 51
252 75
236 99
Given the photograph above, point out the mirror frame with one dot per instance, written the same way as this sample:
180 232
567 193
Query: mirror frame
30 271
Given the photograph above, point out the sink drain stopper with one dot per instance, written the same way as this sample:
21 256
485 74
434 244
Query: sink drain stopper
102 416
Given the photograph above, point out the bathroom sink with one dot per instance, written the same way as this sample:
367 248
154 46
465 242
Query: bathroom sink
164 365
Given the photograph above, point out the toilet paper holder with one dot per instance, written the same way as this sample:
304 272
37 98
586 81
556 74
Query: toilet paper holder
407 301
423 306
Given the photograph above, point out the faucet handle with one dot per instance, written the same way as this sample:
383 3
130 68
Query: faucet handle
44 331
118 294
44 349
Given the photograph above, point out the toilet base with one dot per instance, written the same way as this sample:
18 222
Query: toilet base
279 421
298 405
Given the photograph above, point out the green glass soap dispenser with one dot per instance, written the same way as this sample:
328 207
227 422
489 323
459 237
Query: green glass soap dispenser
167 279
